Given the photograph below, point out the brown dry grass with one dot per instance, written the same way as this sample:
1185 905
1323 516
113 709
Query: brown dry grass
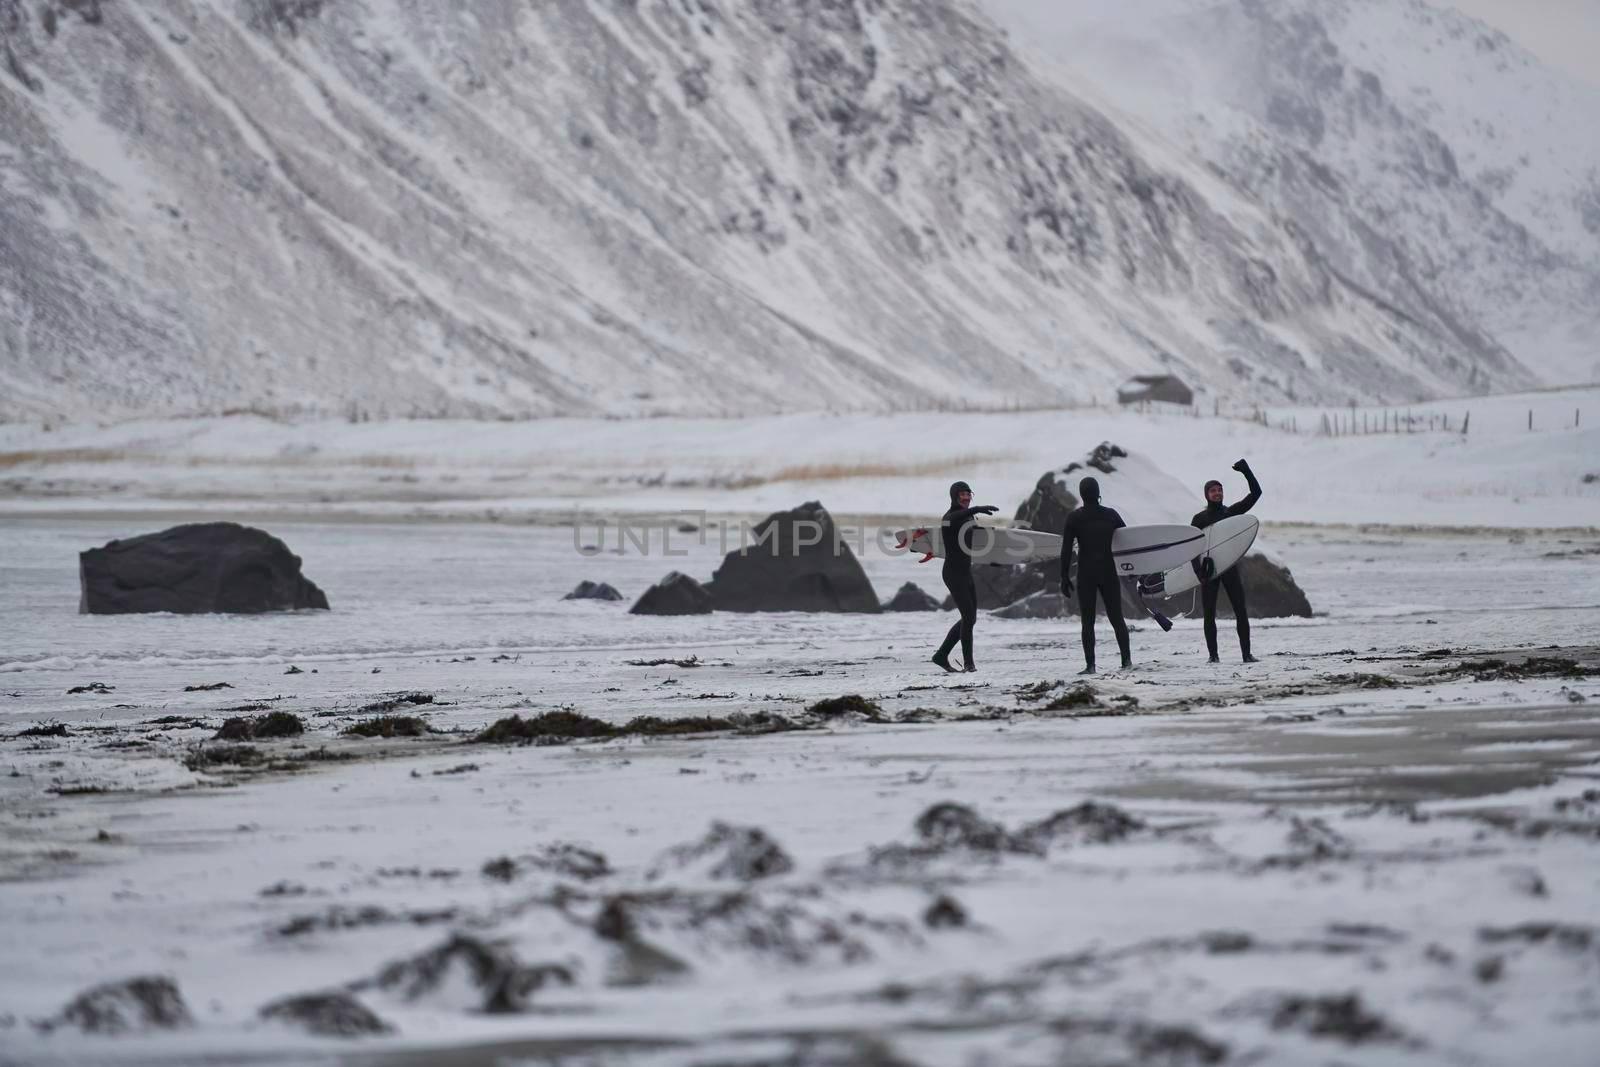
62 455
828 472
117 455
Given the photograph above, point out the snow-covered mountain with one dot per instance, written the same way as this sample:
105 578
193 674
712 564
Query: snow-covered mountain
702 206
1428 157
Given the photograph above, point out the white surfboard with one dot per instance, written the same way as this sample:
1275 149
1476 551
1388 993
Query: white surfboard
1226 542
1136 549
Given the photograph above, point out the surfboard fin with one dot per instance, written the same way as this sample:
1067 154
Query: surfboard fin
926 558
1161 620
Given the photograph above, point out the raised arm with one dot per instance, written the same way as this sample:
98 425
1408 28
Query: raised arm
1243 467
957 517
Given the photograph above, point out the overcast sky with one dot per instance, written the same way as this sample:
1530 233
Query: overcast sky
1564 33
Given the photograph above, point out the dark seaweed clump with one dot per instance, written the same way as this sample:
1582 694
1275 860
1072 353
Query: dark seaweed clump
1494 670
204 758
276 724
389 726
1079 696
45 729
846 705
382 707
554 727
1364 681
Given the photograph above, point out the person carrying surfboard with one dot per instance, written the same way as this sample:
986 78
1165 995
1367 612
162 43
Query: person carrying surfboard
1229 580
956 532
1092 526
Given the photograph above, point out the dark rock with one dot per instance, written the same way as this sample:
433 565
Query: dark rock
1053 498
676 594
1343 1019
795 561
1048 506
203 567
956 826
587 590
742 853
1089 823
1269 589
467 974
149 1002
946 913
911 598
331 1014
1041 605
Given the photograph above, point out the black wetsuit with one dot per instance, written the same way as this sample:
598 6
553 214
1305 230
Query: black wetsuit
957 532
1230 582
1092 526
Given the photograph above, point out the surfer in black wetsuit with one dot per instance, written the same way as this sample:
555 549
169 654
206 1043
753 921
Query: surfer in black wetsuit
956 529
1230 581
1092 526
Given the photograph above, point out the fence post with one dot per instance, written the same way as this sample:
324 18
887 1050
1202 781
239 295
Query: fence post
1530 418
1465 422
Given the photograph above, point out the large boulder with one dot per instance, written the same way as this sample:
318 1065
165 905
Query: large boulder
911 598
999 584
194 569
587 590
1041 605
1269 589
1048 506
793 561
676 594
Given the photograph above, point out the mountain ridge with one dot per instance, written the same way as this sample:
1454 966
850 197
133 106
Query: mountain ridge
639 208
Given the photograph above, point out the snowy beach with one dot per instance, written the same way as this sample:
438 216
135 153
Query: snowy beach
389 393
1374 846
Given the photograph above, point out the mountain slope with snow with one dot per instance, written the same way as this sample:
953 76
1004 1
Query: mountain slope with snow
1430 159
495 208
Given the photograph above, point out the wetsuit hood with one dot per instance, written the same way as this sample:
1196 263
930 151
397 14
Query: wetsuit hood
957 488
1089 490
1206 489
